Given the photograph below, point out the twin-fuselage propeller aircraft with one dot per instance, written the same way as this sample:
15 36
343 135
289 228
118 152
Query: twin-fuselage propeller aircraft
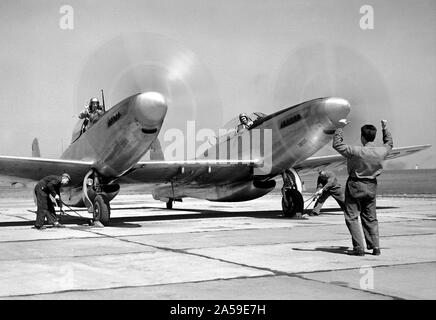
109 152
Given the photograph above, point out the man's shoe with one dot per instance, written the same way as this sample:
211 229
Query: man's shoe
376 252
58 225
39 228
313 214
98 224
357 252
299 216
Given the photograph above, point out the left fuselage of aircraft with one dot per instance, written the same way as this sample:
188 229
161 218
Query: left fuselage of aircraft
121 137
116 142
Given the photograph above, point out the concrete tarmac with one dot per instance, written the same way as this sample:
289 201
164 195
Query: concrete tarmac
206 250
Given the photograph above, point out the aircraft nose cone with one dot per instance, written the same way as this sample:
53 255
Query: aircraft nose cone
337 109
150 108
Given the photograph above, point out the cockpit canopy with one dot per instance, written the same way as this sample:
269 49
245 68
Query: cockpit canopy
232 125
77 131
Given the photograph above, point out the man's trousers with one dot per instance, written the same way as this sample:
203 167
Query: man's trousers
360 200
44 209
336 192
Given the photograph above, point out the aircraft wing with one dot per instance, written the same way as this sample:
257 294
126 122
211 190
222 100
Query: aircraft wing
24 169
164 171
331 162
15 169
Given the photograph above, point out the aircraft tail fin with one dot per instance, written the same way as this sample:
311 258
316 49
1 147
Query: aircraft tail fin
35 149
156 150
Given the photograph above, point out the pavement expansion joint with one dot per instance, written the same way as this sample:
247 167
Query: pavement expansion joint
253 246
348 287
273 271
73 257
183 251
16 216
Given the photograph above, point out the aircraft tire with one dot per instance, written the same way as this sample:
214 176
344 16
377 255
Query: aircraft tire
102 210
295 203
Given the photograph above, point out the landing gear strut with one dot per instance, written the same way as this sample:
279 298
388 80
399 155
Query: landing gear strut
96 197
292 200
171 201
170 204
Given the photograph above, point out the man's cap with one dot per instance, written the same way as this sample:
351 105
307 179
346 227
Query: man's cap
66 175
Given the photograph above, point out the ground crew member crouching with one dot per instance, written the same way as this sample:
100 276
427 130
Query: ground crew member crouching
364 164
327 185
47 186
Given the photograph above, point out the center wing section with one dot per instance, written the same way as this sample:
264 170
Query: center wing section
188 171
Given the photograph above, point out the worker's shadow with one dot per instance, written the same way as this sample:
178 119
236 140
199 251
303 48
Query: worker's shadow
333 249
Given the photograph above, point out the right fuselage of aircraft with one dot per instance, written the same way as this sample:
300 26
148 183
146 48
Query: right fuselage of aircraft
280 140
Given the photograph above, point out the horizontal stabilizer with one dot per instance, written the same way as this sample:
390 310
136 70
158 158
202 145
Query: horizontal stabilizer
331 162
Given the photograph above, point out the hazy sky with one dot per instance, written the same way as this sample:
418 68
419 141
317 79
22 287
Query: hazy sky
214 59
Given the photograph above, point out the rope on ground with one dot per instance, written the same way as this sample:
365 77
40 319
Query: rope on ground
78 214
313 198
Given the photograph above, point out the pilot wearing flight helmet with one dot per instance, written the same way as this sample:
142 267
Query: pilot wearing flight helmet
91 113
245 123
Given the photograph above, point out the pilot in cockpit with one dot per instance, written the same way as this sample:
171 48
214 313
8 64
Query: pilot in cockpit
91 113
245 124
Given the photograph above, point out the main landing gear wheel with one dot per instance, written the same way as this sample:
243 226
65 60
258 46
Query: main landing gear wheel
294 204
102 210
292 200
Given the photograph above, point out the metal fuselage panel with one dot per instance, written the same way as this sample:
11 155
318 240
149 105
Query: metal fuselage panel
295 134
299 132
117 141
121 137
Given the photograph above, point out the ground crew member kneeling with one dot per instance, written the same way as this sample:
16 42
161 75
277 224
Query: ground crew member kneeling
327 185
364 164
47 186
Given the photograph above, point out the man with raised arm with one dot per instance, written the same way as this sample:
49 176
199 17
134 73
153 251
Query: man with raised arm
364 164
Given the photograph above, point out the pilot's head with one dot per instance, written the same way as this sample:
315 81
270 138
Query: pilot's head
321 172
94 104
243 118
66 178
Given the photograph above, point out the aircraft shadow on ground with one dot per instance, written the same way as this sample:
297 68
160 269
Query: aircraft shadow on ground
123 222
201 214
